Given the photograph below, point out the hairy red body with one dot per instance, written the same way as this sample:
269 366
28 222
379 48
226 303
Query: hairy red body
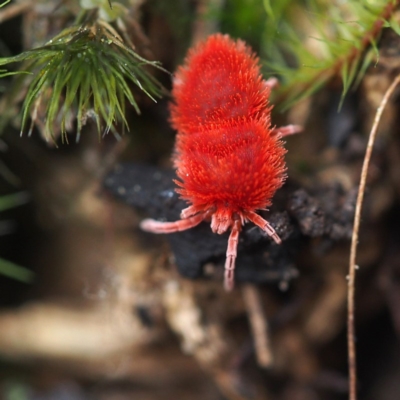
220 81
235 166
228 159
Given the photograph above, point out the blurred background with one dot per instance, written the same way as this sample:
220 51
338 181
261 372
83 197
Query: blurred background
94 308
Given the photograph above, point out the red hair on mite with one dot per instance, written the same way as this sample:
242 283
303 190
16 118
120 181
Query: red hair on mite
228 158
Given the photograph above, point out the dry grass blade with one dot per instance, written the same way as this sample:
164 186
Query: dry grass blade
354 242
259 325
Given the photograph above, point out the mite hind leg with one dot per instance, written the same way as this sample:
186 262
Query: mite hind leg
271 83
282 131
287 130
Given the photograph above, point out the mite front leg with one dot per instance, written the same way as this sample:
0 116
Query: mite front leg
151 225
192 210
264 225
231 253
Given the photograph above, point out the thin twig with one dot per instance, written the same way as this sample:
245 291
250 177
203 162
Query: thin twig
259 325
354 242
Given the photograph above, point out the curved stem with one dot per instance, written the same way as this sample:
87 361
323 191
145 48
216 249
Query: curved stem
354 241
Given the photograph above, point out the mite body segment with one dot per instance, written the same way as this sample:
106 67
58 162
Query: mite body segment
228 158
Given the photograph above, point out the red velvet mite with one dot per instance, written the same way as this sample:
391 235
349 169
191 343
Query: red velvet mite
228 158
220 81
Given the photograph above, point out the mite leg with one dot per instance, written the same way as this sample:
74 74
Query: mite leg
189 212
231 254
264 225
151 225
287 130
271 83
